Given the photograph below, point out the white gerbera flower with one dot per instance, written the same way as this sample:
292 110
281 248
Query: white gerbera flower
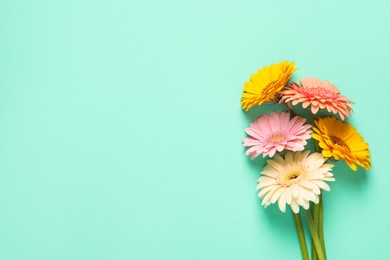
296 180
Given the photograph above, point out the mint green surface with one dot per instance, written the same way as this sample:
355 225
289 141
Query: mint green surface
121 127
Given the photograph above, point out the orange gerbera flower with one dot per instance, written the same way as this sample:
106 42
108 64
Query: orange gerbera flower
340 140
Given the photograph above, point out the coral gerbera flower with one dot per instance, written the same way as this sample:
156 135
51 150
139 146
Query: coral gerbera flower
266 83
318 95
276 132
340 140
296 180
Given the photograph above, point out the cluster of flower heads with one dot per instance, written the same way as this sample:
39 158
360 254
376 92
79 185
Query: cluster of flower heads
294 177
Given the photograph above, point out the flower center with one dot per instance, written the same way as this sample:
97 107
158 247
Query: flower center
320 92
339 141
291 177
277 138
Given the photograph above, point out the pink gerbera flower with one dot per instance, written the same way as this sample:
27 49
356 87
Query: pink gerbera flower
318 95
276 132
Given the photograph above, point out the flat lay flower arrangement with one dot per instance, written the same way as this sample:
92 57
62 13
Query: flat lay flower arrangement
297 172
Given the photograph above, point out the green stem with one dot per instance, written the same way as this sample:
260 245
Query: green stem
315 212
301 236
288 108
314 235
321 225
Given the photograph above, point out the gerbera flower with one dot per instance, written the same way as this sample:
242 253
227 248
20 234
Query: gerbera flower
296 180
318 95
276 132
340 140
266 83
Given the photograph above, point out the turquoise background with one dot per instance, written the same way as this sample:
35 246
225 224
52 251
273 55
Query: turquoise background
121 127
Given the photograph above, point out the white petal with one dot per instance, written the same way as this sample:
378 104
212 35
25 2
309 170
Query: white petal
322 185
308 194
300 200
294 206
321 170
307 184
270 172
266 201
306 204
316 190
282 203
265 190
277 194
289 157
315 161
266 183
294 190
287 195
276 165
297 156
304 155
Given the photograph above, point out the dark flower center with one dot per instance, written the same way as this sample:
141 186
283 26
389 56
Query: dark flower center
293 175
339 141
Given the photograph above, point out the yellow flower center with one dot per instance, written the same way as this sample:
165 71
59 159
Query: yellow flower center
339 141
292 177
277 138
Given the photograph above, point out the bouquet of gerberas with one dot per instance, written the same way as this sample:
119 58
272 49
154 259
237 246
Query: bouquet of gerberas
295 174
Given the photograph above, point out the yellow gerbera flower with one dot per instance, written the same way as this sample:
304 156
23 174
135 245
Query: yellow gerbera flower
266 83
340 140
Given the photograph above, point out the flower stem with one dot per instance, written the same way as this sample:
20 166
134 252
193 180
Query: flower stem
321 225
314 235
301 236
288 107
315 212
